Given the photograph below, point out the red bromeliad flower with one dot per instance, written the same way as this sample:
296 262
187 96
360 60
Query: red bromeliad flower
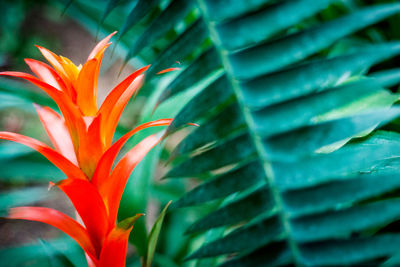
83 150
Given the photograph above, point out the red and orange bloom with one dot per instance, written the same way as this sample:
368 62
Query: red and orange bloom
83 150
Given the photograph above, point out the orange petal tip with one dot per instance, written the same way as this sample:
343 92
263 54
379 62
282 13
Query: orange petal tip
51 185
168 70
146 67
111 34
39 47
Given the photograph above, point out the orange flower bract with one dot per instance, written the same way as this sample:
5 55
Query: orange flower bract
83 150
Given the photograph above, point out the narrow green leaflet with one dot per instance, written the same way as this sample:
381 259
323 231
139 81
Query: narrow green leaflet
351 251
161 25
279 53
339 194
111 4
275 254
223 185
183 46
211 130
237 211
196 71
308 77
387 78
306 140
153 236
244 238
250 28
140 10
230 152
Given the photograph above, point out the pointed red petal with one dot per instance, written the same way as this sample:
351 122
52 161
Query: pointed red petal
97 53
167 70
111 189
72 115
49 89
57 131
90 261
116 244
114 250
107 160
58 220
99 58
53 156
55 61
113 105
46 73
86 88
90 207
119 90
90 147
100 46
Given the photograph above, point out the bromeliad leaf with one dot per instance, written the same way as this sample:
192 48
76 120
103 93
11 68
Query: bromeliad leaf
153 236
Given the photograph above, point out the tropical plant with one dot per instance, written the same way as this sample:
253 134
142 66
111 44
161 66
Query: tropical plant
84 151
291 99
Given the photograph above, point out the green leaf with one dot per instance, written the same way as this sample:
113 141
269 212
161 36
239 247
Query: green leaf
309 139
244 238
350 251
308 77
387 78
223 185
275 254
21 197
203 103
36 168
21 95
237 211
55 258
37 255
341 223
111 4
196 71
179 49
153 236
230 152
292 48
299 109
250 29
236 7
339 194
211 130
296 115
175 11
347 162
140 10
13 150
